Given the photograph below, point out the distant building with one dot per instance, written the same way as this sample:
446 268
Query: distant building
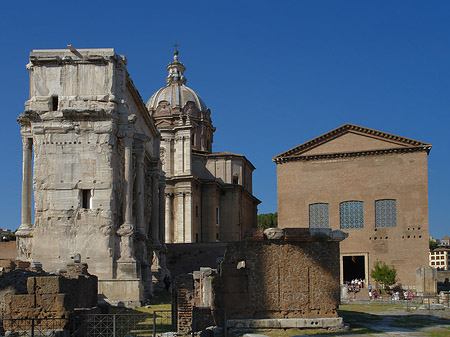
445 241
5 232
439 258
208 195
370 184
436 241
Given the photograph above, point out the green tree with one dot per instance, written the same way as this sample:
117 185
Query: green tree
267 220
433 245
383 274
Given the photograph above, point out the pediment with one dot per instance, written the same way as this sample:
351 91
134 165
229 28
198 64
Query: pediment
352 139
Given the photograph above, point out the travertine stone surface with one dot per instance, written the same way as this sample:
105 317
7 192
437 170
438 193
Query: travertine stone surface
92 137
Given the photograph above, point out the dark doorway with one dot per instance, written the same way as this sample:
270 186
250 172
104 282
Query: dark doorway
354 267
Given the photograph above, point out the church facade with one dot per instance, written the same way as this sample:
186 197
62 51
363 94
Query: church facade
370 184
91 158
208 196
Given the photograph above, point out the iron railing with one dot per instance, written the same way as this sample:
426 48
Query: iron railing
91 325
33 327
122 325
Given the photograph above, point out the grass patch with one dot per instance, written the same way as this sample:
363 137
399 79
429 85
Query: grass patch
374 307
160 301
437 333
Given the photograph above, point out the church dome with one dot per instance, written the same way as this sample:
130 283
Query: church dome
176 94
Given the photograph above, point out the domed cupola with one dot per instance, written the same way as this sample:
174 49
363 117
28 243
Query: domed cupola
179 112
176 99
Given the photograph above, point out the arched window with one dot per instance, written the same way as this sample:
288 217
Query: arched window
385 213
351 214
319 215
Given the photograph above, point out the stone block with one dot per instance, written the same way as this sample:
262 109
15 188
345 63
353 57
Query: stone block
16 303
45 285
254 234
274 233
297 234
23 265
57 303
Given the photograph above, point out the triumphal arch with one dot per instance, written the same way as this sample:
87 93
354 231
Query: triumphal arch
91 153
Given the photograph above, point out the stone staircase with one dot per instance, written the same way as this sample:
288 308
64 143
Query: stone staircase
363 294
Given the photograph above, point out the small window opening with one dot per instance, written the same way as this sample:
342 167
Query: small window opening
196 211
54 103
217 236
235 180
193 140
217 217
196 237
86 199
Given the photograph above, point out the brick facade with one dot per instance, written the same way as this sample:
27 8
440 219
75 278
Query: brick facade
352 163
276 274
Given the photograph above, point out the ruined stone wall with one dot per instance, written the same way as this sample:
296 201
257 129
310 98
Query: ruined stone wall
295 275
54 296
185 258
275 274
183 301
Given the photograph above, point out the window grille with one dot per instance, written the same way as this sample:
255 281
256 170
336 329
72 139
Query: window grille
319 216
351 214
386 213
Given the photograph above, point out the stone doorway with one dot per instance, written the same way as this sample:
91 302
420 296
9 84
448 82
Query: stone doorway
354 267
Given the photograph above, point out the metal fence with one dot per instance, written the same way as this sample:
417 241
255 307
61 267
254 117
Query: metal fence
428 300
91 325
31 327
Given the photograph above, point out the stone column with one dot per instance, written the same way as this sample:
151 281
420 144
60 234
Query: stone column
25 231
126 265
140 195
168 219
155 208
26 182
128 182
178 231
162 211
188 217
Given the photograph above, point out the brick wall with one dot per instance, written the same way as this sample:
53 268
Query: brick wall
185 258
296 276
183 300
278 273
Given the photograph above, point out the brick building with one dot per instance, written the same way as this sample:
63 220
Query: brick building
370 184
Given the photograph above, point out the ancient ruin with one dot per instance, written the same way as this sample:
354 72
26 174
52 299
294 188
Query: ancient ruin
279 278
97 180
54 296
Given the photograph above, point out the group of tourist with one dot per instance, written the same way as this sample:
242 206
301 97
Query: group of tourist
407 295
355 285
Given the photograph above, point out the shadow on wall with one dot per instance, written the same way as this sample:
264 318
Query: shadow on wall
282 273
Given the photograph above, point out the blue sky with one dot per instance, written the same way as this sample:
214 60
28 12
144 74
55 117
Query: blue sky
274 73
